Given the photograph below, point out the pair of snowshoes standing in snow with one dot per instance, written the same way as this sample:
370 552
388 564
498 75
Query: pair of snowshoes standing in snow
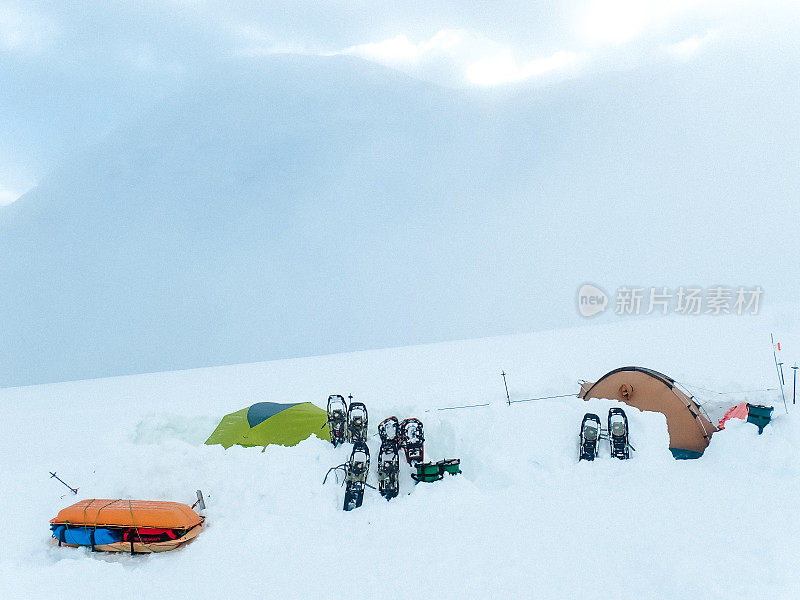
395 435
592 432
349 424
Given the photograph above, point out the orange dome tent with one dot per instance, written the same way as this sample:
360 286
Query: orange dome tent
689 429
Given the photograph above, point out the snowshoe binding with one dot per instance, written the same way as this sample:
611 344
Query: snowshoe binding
337 419
590 434
357 420
618 433
412 441
356 470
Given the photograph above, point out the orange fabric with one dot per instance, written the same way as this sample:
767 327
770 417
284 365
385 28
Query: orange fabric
129 513
740 411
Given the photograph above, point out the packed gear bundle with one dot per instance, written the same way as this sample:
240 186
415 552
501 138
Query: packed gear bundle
135 526
592 432
757 414
430 472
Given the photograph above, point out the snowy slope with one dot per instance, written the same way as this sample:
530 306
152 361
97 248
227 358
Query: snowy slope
524 520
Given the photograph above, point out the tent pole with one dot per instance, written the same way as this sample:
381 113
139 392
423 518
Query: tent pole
777 369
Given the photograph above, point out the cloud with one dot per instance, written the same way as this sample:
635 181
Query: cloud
25 31
618 22
8 196
400 49
257 41
460 57
89 65
454 43
16 178
503 68
688 48
461 46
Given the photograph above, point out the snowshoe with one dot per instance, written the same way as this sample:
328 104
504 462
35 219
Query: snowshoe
618 433
389 429
337 419
388 469
357 419
412 441
590 434
356 470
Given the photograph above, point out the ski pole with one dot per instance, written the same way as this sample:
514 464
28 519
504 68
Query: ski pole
505 383
71 489
777 369
794 389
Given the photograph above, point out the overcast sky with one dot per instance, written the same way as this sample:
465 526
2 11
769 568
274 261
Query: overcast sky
69 72
216 182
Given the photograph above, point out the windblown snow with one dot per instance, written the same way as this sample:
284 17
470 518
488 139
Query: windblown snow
524 520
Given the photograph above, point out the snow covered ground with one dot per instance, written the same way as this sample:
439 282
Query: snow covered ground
525 520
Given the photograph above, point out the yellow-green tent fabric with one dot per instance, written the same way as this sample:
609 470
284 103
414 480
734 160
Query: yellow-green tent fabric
267 423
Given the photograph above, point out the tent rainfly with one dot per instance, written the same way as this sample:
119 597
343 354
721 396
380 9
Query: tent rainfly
689 429
267 423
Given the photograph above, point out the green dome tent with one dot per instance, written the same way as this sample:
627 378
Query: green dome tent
267 423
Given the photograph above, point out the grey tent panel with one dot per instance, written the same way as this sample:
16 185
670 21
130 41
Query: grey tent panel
261 411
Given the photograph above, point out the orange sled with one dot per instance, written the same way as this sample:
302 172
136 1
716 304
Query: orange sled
135 526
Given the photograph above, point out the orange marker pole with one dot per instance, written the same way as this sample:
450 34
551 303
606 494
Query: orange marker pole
778 370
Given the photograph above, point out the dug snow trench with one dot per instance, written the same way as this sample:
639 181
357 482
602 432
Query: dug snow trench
524 520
